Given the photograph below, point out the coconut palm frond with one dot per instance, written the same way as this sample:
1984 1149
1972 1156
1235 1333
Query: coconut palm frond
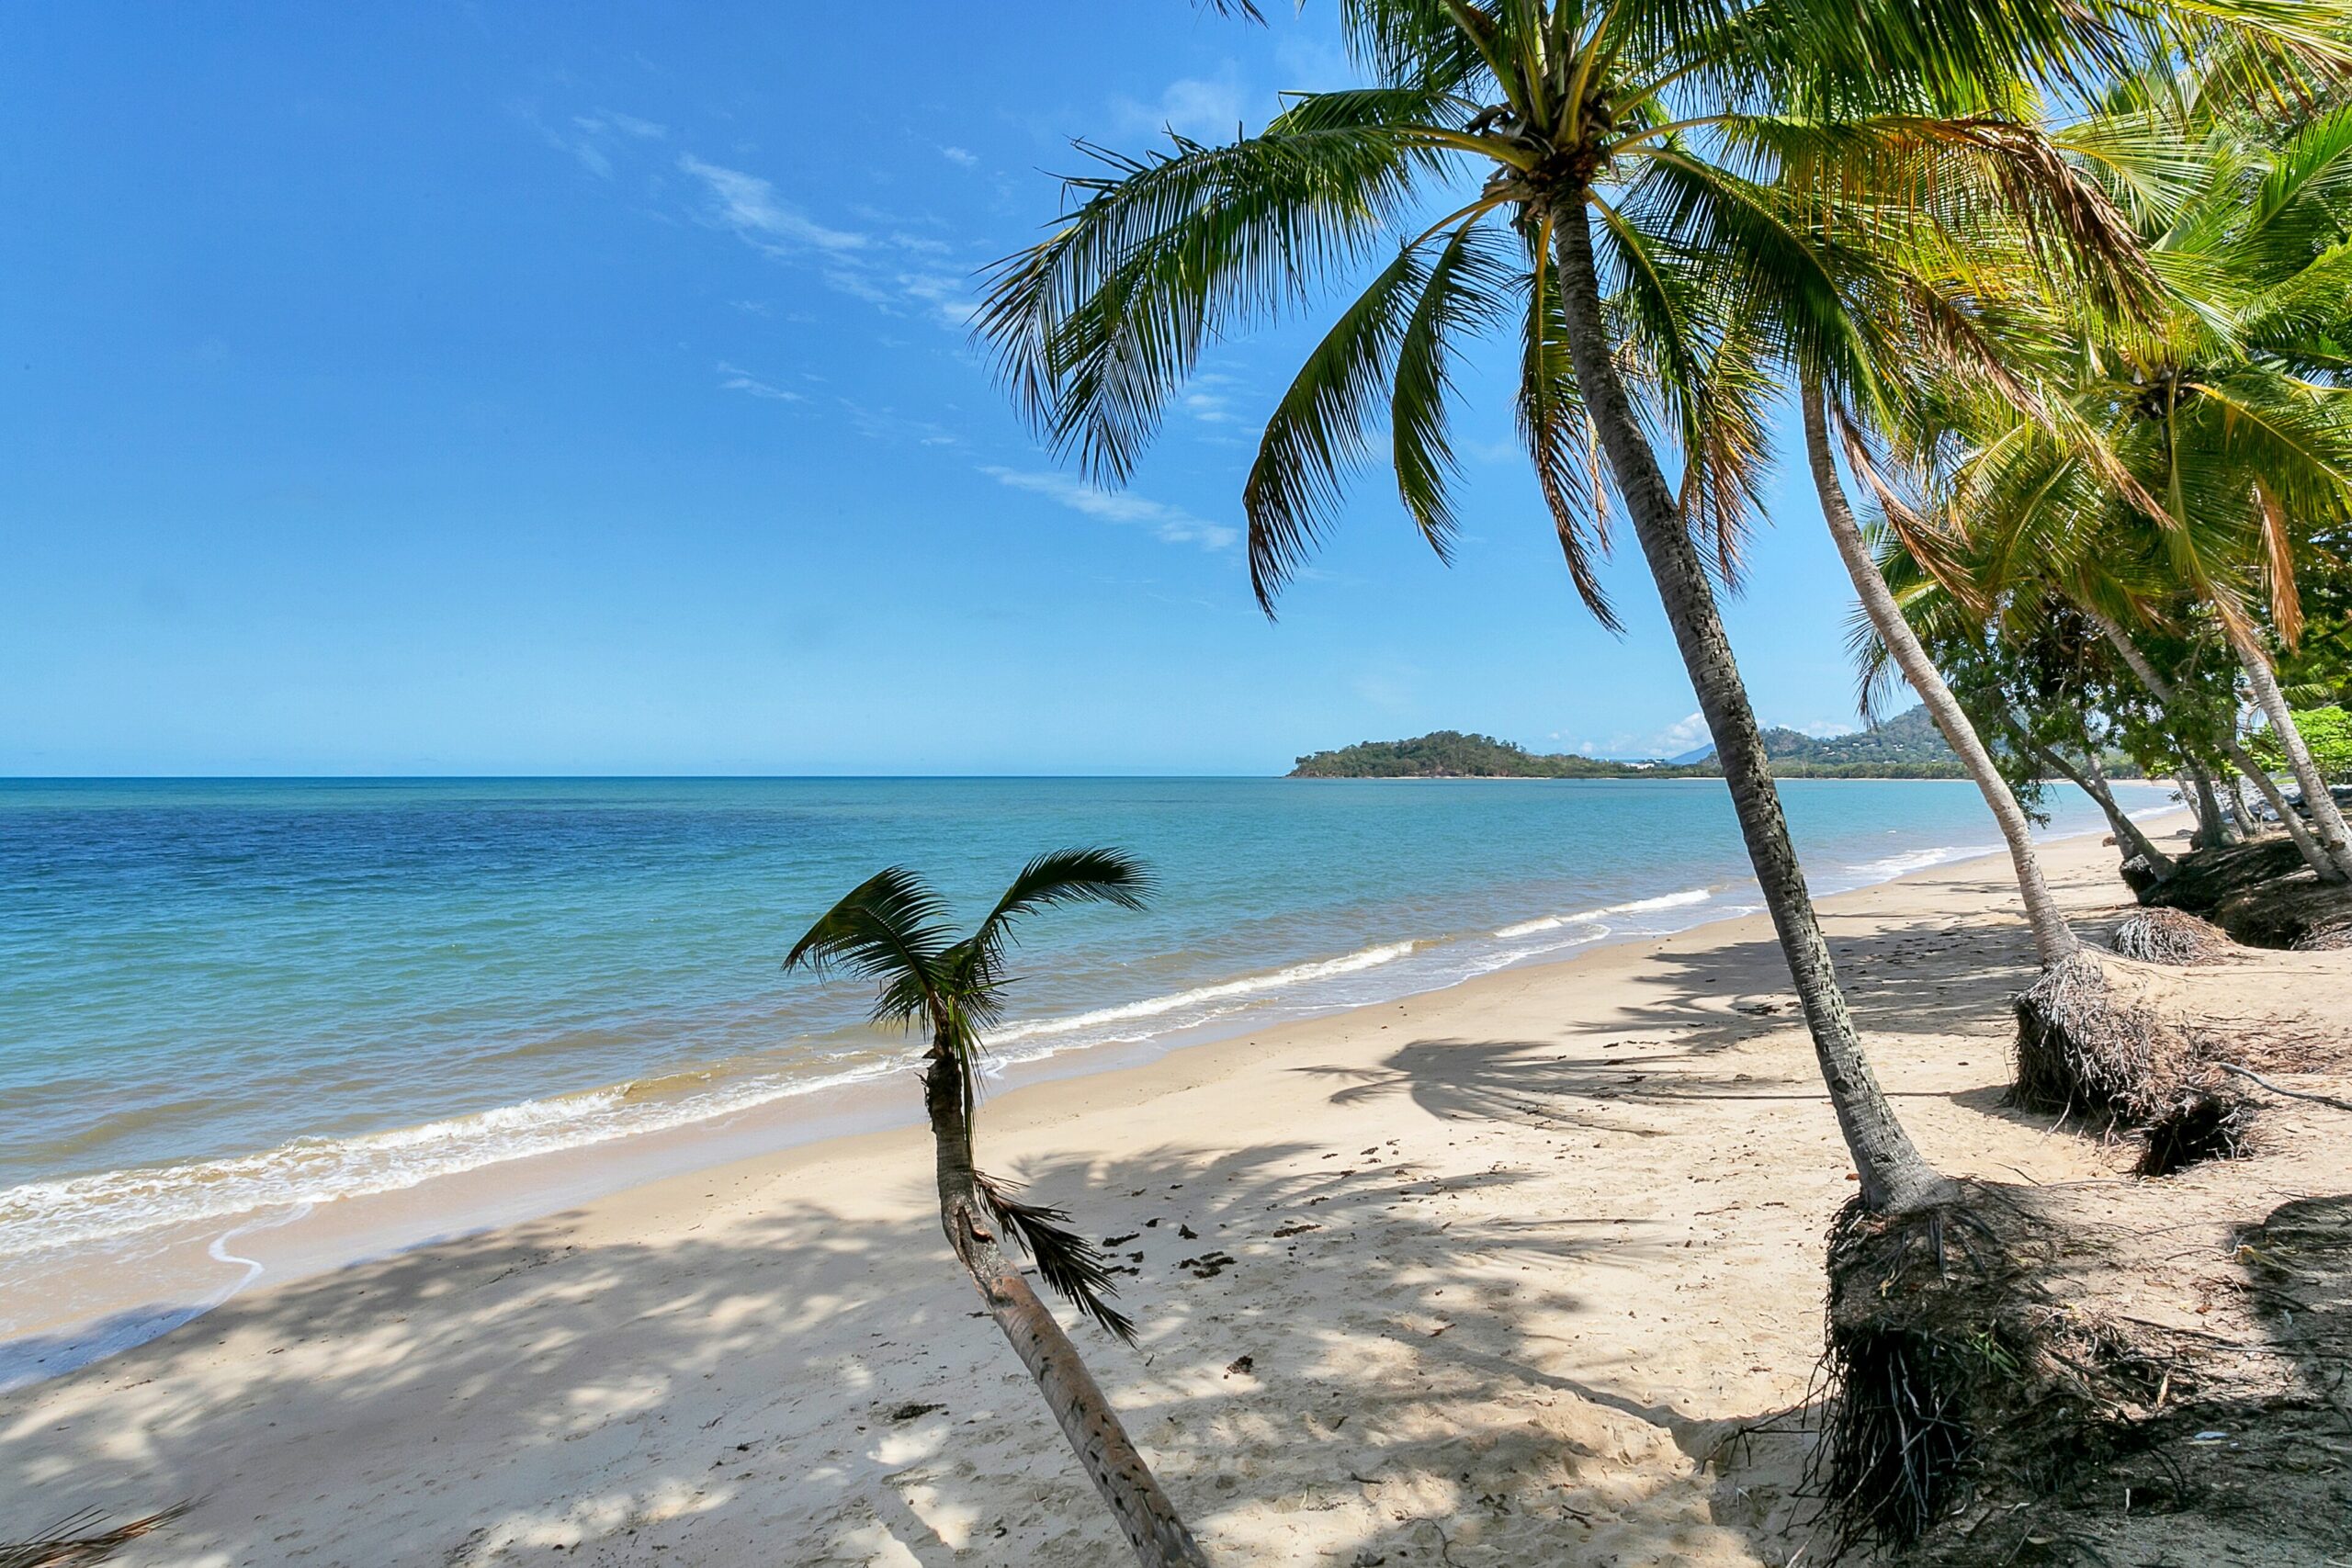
889 928
1094 328
1317 433
1071 1265
1465 293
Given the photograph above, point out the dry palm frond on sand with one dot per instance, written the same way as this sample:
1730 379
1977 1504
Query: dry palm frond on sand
77 1539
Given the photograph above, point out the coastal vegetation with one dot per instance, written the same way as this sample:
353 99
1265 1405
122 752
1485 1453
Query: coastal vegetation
891 930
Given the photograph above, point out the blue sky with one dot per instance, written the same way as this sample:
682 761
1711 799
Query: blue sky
451 388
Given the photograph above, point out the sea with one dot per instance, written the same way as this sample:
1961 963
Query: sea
225 1003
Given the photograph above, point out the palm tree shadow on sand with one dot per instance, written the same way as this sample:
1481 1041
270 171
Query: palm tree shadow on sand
1329 1370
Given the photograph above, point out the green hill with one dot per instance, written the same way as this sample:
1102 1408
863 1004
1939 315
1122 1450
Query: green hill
1450 754
1906 746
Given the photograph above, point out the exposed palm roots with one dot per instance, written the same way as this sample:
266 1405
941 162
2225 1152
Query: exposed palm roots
2326 938
2171 936
2092 1041
1947 1366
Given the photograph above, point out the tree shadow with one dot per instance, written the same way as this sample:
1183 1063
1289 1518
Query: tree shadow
1337 1365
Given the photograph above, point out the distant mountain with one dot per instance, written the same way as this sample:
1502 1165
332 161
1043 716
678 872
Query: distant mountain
1907 745
1908 740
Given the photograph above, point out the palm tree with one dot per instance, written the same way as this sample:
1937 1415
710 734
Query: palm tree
2210 441
2054 939
891 930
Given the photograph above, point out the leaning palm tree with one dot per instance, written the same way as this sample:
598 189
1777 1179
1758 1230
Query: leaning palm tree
891 930
2054 939
1925 281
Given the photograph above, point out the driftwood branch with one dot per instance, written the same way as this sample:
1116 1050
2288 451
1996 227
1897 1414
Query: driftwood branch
2257 1078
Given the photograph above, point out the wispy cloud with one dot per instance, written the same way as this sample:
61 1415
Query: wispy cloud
948 297
625 124
733 379
893 270
959 156
1208 397
887 424
749 205
877 258
1170 524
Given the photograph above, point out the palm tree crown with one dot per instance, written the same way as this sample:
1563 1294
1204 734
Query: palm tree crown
891 930
1488 126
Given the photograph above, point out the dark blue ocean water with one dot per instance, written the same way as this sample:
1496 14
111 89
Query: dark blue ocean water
219 996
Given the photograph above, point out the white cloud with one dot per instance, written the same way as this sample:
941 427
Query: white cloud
948 297
1493 451
747 205
898 272
889 425
1199 108
1168 523
734 379
895 271
958 155
1682 735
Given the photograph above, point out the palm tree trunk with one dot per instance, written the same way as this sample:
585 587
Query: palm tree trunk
2327 821
1111 1460
2125 828
2209 803
2267 787
2054 939
2093 782
1894 1176
2241 815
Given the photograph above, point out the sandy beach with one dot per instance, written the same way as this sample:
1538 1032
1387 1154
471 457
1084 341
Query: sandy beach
1487 1276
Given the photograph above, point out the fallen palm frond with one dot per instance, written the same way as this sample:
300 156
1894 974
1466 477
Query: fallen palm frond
77 1539
2171 936
2260 1082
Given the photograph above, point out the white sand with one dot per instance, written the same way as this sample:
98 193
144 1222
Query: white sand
1504 1260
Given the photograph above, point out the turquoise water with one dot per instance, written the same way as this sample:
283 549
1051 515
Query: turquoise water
220 997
